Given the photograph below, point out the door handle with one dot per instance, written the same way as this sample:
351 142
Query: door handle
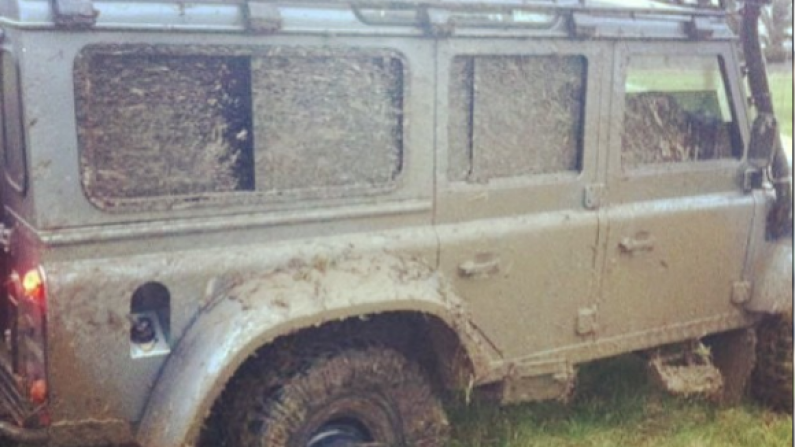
483 266
641 242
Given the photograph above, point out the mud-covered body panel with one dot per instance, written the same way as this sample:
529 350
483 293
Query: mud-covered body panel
89 339
281 302
773 289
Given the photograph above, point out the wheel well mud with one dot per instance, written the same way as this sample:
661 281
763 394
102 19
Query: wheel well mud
424 339
383 293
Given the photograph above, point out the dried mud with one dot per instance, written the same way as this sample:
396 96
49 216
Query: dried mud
158 125
325 121
659 128
513 116
156 122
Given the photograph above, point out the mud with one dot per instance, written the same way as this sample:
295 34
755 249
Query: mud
772 378
325 120
661 128
155 122
522 115
152 125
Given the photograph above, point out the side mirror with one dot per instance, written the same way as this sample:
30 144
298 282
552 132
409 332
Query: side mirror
764 138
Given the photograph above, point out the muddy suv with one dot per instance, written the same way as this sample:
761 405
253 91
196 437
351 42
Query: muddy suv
281 223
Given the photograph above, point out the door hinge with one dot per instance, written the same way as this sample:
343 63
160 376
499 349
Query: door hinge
586 321
753 178
592 198
741 292
5 238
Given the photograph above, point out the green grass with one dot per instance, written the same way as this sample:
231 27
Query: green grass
615 405
781 88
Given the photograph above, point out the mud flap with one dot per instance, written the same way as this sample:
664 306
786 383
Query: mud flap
734 354
772 291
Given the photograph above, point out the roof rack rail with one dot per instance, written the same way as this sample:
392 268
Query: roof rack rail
655 7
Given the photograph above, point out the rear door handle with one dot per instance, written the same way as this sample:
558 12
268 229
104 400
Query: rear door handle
641 242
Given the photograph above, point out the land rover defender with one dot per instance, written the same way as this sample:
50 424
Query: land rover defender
296 223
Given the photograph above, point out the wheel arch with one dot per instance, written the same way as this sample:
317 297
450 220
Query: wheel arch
259 311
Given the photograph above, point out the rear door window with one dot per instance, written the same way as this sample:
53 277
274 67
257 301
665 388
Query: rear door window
513 116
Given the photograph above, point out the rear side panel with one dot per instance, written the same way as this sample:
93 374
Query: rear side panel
195 243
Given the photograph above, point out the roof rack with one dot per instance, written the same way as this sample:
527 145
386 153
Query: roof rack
618 7
553 18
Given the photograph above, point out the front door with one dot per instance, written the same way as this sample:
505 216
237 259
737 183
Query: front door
678 220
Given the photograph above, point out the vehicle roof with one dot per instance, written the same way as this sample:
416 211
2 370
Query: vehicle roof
341 16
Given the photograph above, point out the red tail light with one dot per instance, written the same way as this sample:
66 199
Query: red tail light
33 286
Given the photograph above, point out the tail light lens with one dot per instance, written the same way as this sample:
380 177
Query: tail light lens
33 286
28 335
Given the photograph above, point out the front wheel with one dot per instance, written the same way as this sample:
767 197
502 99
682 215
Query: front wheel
369 396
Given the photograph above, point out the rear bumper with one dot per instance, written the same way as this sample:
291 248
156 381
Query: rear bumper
15 409
11 431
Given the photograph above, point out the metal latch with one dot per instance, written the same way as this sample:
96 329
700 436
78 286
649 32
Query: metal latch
592 199
74 13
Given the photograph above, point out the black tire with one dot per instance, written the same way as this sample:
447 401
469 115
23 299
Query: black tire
358 396
771 382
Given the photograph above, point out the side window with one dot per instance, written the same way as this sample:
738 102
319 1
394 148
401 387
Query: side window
515 115
276 123
327 121
677 109
153 126
13 139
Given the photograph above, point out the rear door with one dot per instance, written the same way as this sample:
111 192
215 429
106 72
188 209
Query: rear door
13 179
517 136
678 217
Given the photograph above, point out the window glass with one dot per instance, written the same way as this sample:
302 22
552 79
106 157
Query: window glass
677 110
12 132
182 126
513 116
326 121
161 125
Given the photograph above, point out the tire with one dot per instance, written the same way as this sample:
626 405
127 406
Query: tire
358 396
771 382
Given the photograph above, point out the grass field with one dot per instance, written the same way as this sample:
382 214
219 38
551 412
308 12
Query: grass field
781 86
615 405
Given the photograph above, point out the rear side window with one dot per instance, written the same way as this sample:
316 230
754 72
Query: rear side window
677 110
13 136
327 121
515 115
158 126
183 127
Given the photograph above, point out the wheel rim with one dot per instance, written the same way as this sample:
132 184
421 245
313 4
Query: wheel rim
340 433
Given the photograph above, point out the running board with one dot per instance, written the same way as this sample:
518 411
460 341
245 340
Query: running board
686 370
